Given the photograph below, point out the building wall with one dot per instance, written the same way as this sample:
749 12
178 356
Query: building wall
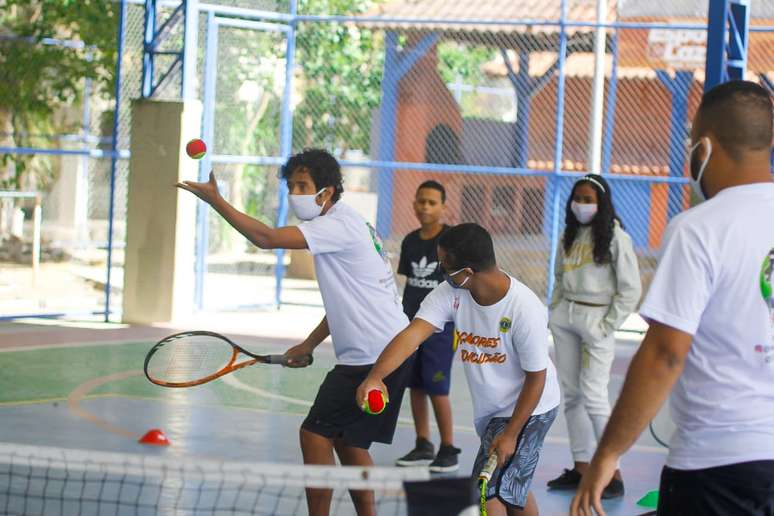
424 102
640 146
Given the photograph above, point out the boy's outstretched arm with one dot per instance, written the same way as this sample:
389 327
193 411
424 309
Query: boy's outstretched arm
396 352
254 230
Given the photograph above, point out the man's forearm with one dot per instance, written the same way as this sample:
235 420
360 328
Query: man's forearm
528 399
254 230
392 357
400 348
319 334
650 378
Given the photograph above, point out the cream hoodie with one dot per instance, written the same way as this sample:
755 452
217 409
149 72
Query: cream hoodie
615 284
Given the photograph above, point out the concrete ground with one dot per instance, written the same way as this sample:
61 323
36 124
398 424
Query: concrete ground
79 385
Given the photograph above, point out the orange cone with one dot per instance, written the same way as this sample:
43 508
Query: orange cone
155 437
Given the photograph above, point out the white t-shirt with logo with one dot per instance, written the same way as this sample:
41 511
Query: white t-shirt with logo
356 284
714 281
497 343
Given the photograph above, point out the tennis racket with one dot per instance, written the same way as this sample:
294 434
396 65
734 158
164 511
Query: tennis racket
196 357
662 427
484 477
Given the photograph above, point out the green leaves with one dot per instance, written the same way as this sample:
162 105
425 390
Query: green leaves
37 78
342 71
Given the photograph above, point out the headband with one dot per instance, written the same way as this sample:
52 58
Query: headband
592 180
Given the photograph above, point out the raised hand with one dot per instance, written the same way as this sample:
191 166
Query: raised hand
207 192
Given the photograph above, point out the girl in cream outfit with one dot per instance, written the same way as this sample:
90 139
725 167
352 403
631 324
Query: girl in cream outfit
597 287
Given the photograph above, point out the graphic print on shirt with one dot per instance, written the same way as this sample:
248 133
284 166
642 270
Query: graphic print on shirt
580 255
377 240
479 349
420 271
767 292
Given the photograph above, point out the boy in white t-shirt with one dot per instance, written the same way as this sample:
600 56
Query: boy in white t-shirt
362 312
501 331
711 333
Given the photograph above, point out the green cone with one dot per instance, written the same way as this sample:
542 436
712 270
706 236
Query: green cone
650 500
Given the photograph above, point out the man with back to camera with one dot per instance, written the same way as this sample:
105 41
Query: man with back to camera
711 334
362 312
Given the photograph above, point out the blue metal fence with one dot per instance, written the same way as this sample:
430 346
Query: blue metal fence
640 198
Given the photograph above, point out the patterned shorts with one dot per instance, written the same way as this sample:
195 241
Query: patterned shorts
511 483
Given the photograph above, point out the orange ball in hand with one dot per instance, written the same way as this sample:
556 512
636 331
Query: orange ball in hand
376 402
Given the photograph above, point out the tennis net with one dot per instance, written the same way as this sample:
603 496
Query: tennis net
58 481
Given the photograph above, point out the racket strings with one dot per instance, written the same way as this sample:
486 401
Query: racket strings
186 360
189 359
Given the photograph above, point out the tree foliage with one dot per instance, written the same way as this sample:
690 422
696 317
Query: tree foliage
37 78
341 73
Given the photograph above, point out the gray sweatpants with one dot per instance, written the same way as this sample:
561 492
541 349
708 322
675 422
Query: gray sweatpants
584 356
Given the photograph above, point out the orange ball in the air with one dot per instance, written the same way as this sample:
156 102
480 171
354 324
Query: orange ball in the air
196 148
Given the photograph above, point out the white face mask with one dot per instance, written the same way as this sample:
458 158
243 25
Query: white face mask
448 278
305 206
696 182
583 212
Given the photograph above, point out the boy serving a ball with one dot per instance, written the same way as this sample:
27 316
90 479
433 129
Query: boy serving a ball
363 312
501 332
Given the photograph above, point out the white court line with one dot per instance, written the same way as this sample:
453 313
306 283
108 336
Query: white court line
237 384
233 381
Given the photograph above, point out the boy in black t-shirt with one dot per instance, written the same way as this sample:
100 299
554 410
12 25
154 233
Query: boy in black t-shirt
432 365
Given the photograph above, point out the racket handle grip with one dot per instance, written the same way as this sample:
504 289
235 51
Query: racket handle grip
283 360
488 470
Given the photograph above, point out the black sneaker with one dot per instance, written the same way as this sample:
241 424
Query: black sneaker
446 460
615 489
570 479
421 455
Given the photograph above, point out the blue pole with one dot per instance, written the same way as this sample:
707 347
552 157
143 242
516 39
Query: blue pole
114 148
387 125
523 94
728 27
739 23
679 88
678 133
607 142
286 148
83 178
554 181
716 44
149 41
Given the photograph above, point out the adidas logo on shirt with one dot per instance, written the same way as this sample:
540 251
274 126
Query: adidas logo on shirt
423 269
420 271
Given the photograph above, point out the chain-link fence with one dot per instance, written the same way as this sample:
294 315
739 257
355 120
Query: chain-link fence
496 100
55 138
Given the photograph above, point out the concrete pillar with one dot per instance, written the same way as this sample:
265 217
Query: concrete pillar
160 219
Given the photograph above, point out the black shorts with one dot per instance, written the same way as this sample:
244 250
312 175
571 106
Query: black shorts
336 415
745 489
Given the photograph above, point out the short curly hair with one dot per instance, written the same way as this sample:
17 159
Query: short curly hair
321 166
